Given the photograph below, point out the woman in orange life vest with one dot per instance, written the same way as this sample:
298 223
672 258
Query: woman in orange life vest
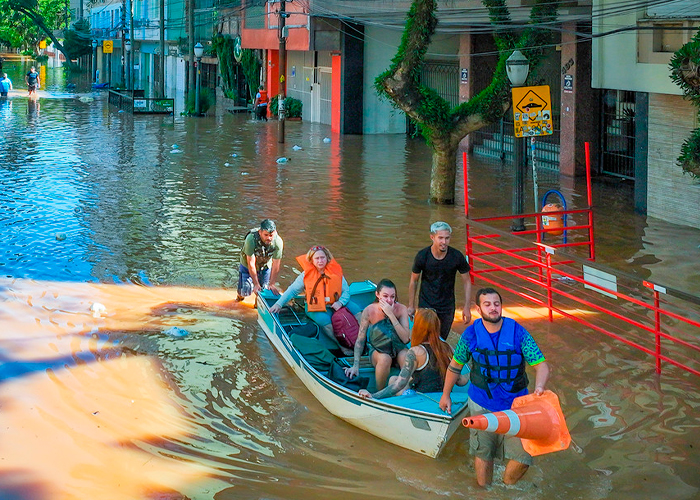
325 288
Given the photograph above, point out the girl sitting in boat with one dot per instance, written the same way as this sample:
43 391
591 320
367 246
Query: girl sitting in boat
325 288
384 324
424 366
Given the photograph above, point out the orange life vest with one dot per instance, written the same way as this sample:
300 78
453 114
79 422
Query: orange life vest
321 289
263 97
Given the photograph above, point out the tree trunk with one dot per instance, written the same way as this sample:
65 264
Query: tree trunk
443 173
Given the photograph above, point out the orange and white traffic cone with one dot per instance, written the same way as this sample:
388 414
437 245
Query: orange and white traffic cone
537 420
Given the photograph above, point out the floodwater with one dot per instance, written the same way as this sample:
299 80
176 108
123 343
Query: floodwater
146 214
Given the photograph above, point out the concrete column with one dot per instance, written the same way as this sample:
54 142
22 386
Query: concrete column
579 104
466 85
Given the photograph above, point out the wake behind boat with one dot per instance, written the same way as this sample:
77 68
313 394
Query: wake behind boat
415 421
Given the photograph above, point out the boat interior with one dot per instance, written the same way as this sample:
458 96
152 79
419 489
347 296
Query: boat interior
320 351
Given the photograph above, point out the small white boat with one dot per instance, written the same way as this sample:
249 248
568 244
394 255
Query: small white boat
415 422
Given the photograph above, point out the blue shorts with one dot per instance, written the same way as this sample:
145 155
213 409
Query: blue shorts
245 282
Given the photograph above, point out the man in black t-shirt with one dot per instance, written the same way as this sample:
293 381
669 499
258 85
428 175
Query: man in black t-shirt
435 267
33 81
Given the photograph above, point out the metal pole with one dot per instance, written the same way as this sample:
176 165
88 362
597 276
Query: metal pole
534 174
518 183
199 80
94 63
123 79
161 87
133 45
190 46
282 71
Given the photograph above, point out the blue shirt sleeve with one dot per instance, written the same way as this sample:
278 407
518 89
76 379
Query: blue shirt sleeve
462 355
531 351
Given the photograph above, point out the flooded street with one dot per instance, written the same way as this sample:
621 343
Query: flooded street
146 215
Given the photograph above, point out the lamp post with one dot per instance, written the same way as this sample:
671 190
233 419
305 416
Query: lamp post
517 68
127 46
94 59
198 52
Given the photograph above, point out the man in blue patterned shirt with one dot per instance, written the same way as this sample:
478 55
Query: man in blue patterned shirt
499 349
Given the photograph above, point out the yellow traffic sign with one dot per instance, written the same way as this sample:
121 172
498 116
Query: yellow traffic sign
107 46
532 111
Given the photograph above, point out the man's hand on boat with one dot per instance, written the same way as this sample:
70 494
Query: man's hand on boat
446 403
274 309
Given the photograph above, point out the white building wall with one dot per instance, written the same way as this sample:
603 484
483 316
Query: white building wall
379 117
614 58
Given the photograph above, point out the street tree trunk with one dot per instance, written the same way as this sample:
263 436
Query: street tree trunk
444 127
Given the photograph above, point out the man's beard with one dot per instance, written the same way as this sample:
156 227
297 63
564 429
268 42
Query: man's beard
488 318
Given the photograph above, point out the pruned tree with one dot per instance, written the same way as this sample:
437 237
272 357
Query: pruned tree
444 127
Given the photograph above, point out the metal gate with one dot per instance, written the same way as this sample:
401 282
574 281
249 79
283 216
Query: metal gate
443 77
618 133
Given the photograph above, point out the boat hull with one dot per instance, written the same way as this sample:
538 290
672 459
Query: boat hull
412 422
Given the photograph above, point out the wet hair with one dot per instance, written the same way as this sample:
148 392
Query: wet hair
440 226
316 248
426 330
387 283
486 291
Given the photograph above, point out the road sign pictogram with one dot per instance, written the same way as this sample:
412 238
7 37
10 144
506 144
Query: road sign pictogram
532 111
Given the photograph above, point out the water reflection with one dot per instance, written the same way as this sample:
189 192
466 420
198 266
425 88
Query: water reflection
154 209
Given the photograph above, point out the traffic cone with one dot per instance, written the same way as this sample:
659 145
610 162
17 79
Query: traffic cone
537 420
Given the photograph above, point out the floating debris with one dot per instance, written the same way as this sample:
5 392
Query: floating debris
326 140
60 236
97 309
282 160
297 148
176 332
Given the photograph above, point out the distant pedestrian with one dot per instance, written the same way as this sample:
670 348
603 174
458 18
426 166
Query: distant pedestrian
435 267
5 85
260 104
33 81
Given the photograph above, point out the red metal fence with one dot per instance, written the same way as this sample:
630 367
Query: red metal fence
657 320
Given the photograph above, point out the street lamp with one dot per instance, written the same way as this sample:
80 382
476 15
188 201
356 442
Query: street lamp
94 58
198 52
517 68
127 46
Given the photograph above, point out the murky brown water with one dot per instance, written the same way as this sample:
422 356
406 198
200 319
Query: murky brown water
153 211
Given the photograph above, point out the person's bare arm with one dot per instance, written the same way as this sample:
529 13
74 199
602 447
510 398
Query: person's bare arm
412 288
451 377
541 377
274 271
253 272
467 311
359 345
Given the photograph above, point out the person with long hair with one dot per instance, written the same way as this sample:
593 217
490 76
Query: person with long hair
325 288
426 362
384 325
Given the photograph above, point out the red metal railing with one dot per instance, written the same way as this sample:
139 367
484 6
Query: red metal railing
656 320
661 322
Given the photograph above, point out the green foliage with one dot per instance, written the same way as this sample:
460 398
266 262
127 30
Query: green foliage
251 70
24 23
230 94
78 40
292 107
222 45
689 159
685 72
206 101
41 58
